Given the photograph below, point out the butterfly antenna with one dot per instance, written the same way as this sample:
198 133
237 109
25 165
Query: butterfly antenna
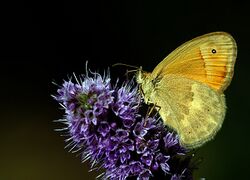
129 71
122 64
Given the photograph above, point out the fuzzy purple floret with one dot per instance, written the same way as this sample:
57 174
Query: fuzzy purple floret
104 122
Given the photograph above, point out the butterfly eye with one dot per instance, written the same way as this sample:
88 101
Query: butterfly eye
213 51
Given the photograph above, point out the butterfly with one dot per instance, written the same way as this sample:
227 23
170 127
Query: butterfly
188 86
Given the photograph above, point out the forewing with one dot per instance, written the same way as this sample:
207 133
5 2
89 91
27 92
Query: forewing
208 59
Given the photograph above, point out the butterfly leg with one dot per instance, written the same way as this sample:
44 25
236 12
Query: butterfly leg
151 108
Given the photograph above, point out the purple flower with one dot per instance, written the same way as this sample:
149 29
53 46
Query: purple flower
104 122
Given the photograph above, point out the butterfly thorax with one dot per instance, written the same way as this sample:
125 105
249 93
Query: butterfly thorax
146 84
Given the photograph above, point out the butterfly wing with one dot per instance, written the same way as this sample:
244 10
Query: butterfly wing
208 59
195 111
188 86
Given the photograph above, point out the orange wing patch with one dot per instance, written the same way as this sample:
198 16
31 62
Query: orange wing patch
208 59
218 65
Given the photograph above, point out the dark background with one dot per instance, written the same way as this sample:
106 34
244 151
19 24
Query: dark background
43 42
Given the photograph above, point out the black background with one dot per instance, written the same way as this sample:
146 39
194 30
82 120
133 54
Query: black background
43 42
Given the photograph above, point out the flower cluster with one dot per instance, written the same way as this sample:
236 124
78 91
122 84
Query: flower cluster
103 121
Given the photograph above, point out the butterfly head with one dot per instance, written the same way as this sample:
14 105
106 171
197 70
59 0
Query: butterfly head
139 76
145 84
